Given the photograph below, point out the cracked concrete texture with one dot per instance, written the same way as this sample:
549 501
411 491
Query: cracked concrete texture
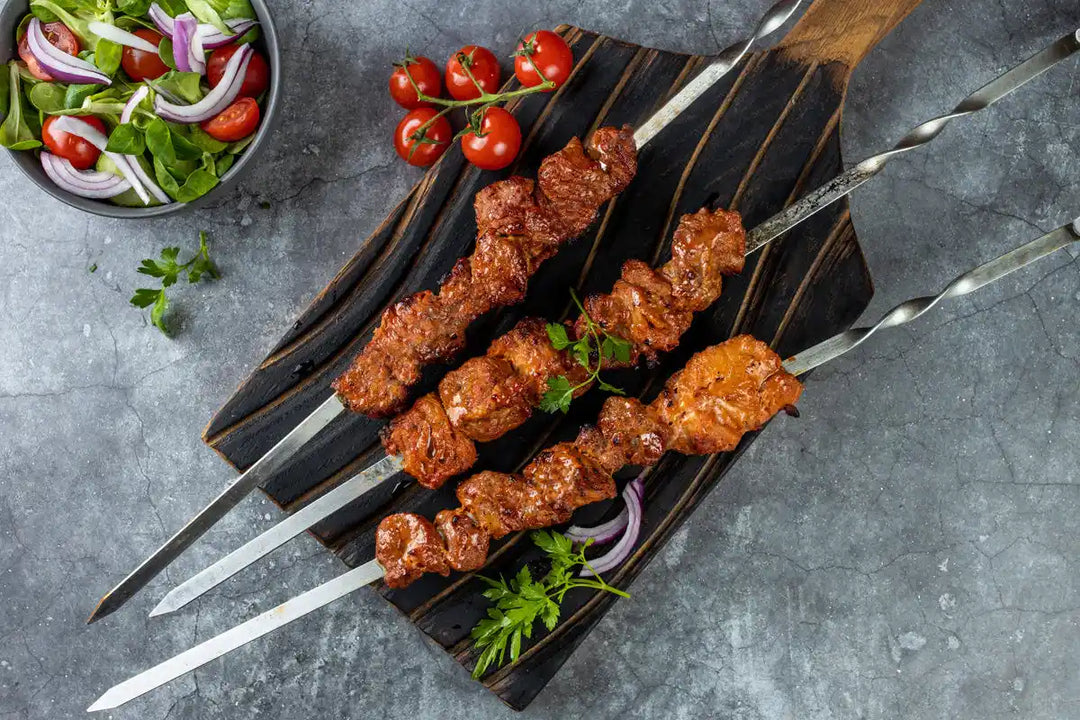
908 548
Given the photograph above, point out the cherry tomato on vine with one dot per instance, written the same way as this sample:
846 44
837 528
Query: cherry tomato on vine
424 73
546 51
80 153
235 122
481 63
57 34
141 65
256 80
418 151
498 142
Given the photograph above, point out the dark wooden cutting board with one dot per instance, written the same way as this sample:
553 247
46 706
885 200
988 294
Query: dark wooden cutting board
755 142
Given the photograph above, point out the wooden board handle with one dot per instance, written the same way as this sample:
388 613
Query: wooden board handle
844 30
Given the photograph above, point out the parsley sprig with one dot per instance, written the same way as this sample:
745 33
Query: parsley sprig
520 602
590 351
169 270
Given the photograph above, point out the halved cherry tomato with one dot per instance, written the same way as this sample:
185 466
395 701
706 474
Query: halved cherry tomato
481 63
546 51
79 152
424 73
235 122
258 72
57 34
141 65
498 142
436 137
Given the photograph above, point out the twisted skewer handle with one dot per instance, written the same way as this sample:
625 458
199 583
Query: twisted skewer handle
981 99
912 309
728 58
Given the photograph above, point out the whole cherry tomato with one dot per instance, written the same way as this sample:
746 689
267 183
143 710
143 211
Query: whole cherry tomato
498 142
141 65
256 80
80 153
424 73
57 34
422 151
483 66
546 51
235 122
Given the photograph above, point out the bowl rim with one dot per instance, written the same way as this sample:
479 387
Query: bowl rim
268 38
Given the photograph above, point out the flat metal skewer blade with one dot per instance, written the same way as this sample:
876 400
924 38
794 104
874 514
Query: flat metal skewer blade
843 184
258 473
969 282
242 634
773 19
278 535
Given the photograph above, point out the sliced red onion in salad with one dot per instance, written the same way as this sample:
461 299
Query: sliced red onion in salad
212 38
125 164
633 494
217 99
129 107
184 27
198 55
58 63
120 36
162 19
84 183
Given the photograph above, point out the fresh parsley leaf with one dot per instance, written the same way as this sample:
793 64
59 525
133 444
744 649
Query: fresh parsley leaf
557 334
521 602
558 396
169 269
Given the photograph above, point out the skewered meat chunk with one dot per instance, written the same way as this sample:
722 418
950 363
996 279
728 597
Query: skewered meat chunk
483 398
408 546
466 542
706 246
432 451
491 395
724 392
519 229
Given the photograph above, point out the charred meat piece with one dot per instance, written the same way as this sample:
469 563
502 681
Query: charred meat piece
466 542
502 504
528 349
634 429
521 225
706 246
485 398
639 309
407 546
432 451
724 392
568 479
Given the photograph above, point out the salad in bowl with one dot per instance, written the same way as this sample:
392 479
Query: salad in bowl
136 103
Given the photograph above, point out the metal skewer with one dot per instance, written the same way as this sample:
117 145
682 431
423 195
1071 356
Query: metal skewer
322 416
809 205
371 571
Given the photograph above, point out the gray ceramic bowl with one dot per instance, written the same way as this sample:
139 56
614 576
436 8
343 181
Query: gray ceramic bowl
28 162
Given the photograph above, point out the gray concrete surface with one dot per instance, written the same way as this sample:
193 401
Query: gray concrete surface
908 549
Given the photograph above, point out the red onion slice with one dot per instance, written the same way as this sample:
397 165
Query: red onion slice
214 38
195 50
162 19
120 37
599 534
95 137
183 29
132 103
622 549
216 100
58 63
88 184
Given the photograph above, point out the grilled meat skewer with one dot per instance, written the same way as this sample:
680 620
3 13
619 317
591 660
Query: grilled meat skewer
722 393
520 224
